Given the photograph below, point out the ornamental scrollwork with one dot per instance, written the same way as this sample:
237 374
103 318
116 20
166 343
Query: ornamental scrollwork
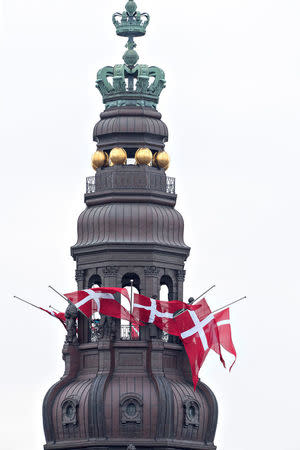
131 408
191 412
110 271
180 275
70 411
151 271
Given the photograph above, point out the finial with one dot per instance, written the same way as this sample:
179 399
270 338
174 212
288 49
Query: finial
131 7
131 23
132 84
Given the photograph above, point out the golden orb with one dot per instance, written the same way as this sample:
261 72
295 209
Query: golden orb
143 156
99 159
117 156
162 160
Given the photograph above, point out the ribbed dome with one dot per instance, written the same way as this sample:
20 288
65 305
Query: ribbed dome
116 400
131 128
131 123
130 223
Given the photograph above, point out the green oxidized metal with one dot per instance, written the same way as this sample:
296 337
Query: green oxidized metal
130 82
131 23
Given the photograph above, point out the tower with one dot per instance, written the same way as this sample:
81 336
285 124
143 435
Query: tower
118 391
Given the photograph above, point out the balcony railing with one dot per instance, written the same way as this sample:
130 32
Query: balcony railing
90 185
125 333
170 185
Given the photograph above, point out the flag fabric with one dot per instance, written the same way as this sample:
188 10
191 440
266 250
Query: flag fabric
135 331
60 316
100 300
223 323
198 330
159 313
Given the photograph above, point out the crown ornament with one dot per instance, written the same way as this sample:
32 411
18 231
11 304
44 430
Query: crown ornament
130 85
131 23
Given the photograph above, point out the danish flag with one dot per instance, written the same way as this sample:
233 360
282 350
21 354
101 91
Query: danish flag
135 331
60 316
100 300
223 322
150 310
199 332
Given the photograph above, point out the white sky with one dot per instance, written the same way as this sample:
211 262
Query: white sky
232 105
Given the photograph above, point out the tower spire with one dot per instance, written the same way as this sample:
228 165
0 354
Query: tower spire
130 81
131 23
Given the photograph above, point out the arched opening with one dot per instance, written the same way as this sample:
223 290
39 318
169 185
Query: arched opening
126 280
166 294
131 282
166 288
94 281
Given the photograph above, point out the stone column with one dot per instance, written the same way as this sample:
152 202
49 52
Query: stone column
180 276
80 278
110 276
83 322
151 281
151 290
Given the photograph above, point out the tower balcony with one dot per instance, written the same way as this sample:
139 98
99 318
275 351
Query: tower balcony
130 177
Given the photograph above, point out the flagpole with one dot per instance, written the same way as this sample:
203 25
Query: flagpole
131 304
200 296
62 296
194 301
213 312
229 304
28 303
54 309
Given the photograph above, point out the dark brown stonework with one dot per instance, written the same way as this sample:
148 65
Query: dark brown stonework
118 393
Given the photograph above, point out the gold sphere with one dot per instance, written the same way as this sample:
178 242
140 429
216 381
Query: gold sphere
99 159
143 156
162 160
117 156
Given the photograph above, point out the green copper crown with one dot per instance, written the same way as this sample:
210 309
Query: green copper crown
130 81
131 22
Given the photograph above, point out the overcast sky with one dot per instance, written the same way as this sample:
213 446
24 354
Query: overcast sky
232 105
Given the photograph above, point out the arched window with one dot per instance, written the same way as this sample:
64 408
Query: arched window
94 281
166 288
128 280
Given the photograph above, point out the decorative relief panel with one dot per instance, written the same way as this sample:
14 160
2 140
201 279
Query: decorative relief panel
191 412
70 411
131 408
180 275
79 275
110 271
151 271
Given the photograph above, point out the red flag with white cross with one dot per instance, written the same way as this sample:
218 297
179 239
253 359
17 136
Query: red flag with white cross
135 331
198 330
150 310
100 300
223 323
60 315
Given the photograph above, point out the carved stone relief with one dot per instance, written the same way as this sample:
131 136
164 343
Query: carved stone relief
111 271
131 408
71 315
180 275
79 275
69 411
151 271
191 412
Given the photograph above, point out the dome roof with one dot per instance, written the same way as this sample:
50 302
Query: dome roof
131 128
134 223
122 402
